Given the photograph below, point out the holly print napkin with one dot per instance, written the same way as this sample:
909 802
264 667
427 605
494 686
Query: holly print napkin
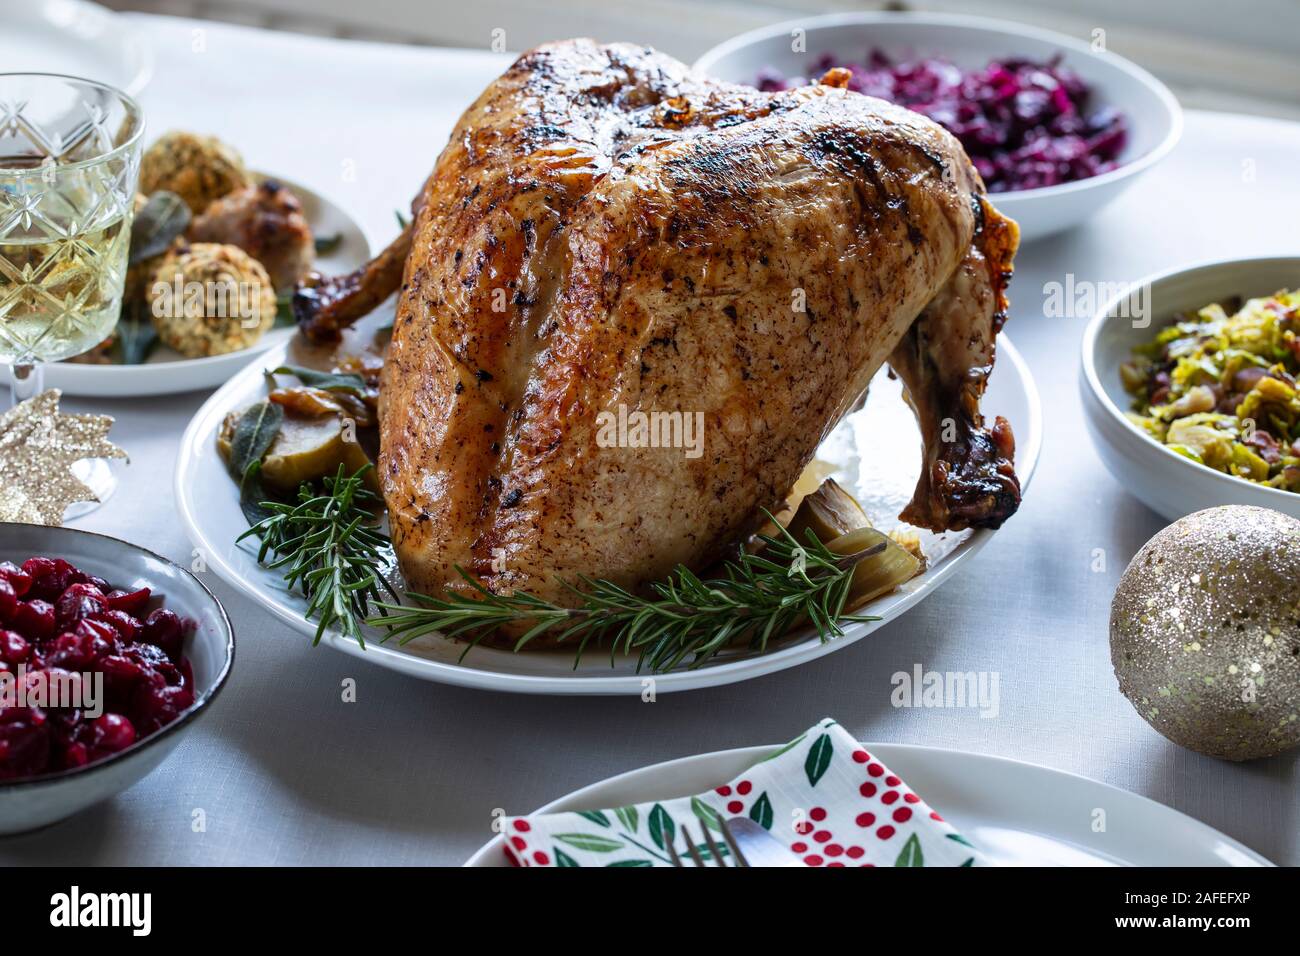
823 795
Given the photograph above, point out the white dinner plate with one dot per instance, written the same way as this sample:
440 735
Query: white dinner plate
74 38
1018 814
167 372
883 483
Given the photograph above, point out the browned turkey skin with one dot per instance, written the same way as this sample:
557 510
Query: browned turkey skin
607 231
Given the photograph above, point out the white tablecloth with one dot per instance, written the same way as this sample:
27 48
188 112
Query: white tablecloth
287 773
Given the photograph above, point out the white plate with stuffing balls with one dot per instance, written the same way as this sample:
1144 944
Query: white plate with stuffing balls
1018 814
208 501
166 372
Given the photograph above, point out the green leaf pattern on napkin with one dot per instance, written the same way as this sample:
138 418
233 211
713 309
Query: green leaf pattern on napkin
823 795
590 842
662 828
761 811
628 816
595 816
708 816
819 758
911 855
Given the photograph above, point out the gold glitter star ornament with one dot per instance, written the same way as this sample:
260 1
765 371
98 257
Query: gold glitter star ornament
38 446
1205 632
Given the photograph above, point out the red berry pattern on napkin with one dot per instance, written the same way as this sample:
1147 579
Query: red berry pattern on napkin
823 795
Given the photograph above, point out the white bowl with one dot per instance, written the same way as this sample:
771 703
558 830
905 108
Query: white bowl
40 801
1155 120
1164 480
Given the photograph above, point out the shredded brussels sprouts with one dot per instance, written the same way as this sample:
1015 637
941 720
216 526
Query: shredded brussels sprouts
1220 387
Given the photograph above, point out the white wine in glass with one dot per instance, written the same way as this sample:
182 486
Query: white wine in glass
69 161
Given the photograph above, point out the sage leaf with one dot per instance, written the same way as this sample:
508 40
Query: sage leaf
327 245
284 311
330 381
254 433
163 217
251 495
136 337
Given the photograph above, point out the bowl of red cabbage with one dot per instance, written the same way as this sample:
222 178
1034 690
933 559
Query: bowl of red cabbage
1056 126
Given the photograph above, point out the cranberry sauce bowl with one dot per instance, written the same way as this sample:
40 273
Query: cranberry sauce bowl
110 652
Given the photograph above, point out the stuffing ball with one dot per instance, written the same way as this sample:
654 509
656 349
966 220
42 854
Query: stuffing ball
210 299
266 221
197 168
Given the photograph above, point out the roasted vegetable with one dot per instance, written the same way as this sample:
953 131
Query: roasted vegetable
836 518
305 449
879 574
308 402
830 511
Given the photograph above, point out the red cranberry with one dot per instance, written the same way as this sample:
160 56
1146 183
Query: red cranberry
165 629
39 568
121 675
59 621
14 648
101 631
76 652
156 707
111 733
16 576
154 658
78 601
75 754
24 742
51 576
62 691
132 602
8 599
126 626
34 618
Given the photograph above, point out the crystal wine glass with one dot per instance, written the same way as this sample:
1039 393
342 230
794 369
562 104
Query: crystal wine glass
69 160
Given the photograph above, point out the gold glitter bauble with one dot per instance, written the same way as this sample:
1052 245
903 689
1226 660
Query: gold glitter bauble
1205 632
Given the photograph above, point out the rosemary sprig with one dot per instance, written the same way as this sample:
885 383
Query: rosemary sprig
757 598
330 549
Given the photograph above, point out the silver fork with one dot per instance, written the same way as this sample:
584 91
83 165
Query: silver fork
715 851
